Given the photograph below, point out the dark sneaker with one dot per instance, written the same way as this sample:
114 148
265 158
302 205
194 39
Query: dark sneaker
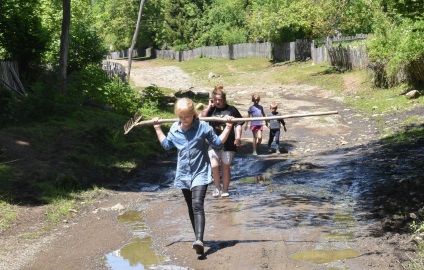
198 246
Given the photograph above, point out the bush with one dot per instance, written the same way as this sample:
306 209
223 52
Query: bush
93 85
397 45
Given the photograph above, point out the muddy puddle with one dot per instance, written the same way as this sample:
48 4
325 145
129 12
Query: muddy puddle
288 193
138 254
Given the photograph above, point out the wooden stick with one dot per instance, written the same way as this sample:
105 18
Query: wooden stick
134 122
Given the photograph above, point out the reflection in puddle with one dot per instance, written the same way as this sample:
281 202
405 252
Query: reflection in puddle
136 255
325 256
255 179
139 253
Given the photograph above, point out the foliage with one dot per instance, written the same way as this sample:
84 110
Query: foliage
225 21
92 84
397 41
85 47
116 21
183 23
22 35
285 20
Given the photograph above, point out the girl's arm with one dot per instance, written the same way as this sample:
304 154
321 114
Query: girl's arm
238 132
205 111
247 123
227 129
158 129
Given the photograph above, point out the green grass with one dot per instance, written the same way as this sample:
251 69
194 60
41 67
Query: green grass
62 205
382 101
8 215
227 72
259 70
404 136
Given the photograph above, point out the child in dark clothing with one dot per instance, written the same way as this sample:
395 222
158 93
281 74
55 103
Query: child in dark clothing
274 127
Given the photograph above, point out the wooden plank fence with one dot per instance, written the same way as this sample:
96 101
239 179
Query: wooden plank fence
235 51
115 69
345 58
9 77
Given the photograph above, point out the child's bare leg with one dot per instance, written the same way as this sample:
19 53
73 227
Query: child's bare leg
259 137
215 172
254 132
226 176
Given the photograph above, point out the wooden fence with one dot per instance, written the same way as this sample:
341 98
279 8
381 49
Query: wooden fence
114 69
141 52
9 77
235 51
345 58
298 50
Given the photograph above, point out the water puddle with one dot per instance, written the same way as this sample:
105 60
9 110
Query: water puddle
261 179
139 253
325 256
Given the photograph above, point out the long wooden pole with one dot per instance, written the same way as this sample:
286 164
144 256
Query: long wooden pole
133 123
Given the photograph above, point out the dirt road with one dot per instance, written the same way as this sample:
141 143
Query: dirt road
304 209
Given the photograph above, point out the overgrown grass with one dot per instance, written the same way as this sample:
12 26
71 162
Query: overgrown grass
8 215
63 205
382 101
408 134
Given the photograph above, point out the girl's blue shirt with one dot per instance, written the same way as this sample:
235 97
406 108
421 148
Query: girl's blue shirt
193 165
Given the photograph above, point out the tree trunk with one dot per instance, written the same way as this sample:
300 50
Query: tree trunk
134 40
64 45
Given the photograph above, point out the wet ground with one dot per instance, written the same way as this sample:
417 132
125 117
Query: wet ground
331 200
312 207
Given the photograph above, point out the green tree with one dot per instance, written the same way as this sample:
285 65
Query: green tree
85 45
115 21
184 23
64 44
398 40
226 23
22 36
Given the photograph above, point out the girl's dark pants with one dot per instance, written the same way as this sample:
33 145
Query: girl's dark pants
274 133
195 202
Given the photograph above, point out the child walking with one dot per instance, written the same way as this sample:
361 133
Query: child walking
193 173
256 127
274 127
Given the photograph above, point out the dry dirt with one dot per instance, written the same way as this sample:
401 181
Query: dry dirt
255 230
